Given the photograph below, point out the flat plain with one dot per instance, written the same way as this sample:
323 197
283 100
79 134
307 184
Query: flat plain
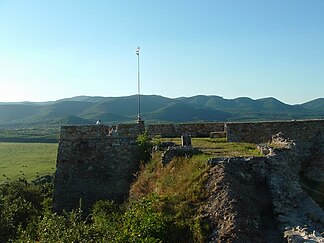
26 160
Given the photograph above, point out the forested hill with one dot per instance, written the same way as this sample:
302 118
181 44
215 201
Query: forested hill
86 110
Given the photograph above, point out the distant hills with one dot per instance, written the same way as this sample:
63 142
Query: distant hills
86 110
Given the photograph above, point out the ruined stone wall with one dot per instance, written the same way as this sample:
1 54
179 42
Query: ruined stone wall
97 131
176 130
306 132
93 165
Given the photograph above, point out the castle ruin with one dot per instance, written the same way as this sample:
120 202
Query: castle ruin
93 164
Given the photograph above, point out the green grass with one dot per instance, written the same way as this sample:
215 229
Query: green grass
183 177
218 147
179 177
26 160
179 185
29 135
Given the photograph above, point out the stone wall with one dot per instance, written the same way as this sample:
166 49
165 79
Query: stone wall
176 130
93 165
99 131
306 132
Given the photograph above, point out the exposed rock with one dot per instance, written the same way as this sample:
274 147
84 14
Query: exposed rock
265 149
261 199
178 151
280 140
301 235
163 146
239 205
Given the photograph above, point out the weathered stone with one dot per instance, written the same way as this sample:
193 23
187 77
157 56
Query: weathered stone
306 132
93 164
186 140
176 130
163 146
217 135
178 151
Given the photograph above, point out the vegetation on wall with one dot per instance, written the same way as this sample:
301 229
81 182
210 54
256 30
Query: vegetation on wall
145 147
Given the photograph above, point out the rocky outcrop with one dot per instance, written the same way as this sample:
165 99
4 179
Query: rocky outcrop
292 206
261 199
176 130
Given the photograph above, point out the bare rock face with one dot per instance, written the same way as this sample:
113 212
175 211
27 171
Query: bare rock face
239 205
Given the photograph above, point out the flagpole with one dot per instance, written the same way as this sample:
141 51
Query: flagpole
138 84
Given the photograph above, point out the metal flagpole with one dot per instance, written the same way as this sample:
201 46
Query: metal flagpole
138 85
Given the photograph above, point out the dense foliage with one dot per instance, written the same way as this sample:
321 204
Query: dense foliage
26 216
26 213
22 204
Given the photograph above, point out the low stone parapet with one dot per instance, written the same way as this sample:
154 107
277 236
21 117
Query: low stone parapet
217 135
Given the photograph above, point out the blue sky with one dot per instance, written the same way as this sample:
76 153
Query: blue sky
231 48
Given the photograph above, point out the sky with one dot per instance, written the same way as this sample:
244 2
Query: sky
51 50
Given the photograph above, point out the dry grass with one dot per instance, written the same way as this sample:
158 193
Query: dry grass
182 178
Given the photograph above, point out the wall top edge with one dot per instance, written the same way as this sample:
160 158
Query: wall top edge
278 121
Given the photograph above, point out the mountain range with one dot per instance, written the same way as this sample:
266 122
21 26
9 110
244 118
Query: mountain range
112 110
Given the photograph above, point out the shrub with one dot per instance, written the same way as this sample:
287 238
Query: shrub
20 204
145 147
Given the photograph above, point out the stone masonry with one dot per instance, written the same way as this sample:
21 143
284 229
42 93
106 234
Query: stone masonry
94 163
306 132
193 129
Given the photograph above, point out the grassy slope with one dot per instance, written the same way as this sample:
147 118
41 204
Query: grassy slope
180 184
26 160
183 177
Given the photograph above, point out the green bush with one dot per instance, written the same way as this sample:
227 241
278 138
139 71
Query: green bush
145 147
20 204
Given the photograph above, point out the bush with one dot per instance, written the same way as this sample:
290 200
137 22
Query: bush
20 204
145 147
